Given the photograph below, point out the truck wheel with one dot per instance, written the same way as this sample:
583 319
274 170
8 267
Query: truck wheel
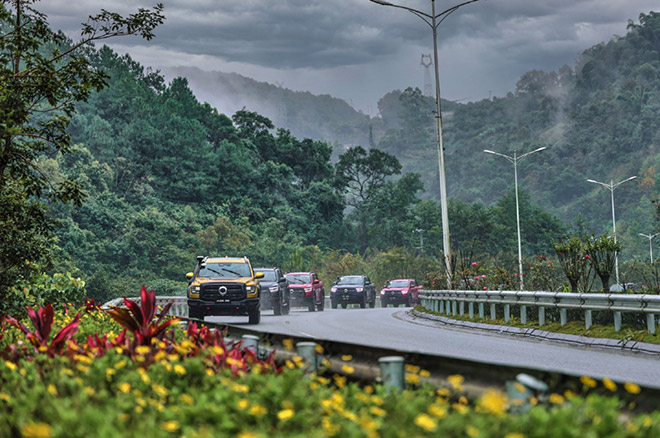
321 304
409 302
195 313
344 305
285 307
333 304
383 303
312 305
363 303
372 303
277 307
254 316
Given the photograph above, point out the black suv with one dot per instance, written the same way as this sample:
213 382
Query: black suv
353 289
274 291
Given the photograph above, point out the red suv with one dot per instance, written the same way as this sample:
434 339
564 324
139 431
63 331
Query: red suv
306 290
401 291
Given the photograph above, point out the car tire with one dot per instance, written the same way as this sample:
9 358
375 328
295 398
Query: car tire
409 302
333 304
396 304
286 306
344 305
372 303
363 303
312 305
320 305
254 316
383 303
277 308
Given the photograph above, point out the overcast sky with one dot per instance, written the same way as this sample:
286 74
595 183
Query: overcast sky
357 50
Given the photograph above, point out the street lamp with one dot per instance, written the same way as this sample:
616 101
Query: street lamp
650 237
515 160
434 21
611 186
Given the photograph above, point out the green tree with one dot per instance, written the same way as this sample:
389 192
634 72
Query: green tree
42 76
362 174
602 252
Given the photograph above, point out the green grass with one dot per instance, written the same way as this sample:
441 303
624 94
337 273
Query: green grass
627 333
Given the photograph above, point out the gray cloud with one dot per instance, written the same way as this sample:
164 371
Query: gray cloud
359 50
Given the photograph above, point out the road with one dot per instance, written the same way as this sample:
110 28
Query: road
391 328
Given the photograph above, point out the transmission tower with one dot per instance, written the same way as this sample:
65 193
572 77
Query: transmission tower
427 62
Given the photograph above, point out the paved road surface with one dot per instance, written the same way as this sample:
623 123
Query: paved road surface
391 328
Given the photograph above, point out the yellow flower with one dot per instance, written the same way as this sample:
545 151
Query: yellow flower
319 348
179 369
456 381
461 409
240 388
258 410
609 384
369 389
288 344
160 390
494 402
285 414
143 375
125 387
216 349
632 388
443 392
142 349
187 399
89 390
588 381
647 421
120 364
424 373
109 373
377 400
570 395
330 428
411 368
556 398
437 411
377 411
412 379
347 369
124 417
514 435
243 404
4 397
170 426
472 431
247 435
36 430
426 422
52 390
340 381
347 357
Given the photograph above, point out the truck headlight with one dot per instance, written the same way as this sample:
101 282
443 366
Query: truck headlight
273 289
249 289
195 289
333 289
359 289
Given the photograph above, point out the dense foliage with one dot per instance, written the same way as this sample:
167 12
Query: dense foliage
65 375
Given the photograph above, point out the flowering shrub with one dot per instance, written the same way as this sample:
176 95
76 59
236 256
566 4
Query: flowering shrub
199 385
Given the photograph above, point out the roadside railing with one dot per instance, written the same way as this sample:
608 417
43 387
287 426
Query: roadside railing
179 304
454 302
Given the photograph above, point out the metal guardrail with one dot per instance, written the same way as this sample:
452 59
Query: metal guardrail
179 304
453 302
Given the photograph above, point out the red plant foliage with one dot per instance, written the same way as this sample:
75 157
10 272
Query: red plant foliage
139 318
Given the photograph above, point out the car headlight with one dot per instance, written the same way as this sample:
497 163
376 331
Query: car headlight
273 288
359 289
382 292
333 289
249 289
308 289
404 292
196 289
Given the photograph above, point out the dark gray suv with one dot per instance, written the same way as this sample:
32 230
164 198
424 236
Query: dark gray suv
274 291
353 289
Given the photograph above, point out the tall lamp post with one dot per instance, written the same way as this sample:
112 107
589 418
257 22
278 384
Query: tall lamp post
650 237
434 21
515 160
611 186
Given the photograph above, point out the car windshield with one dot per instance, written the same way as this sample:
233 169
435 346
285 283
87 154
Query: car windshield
226 269
268 274
298 278
351 279
398 283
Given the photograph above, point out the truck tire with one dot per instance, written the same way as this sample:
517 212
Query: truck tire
195 313
254 316
312 305
286 306
363 303
333 304
277 307
321 304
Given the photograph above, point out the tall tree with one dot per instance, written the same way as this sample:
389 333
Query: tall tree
362 174
42 76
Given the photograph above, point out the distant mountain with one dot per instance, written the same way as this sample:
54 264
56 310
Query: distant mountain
320 117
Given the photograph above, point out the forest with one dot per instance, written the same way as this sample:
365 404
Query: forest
146 177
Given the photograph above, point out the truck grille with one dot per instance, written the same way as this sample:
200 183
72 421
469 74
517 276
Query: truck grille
297 292
212 291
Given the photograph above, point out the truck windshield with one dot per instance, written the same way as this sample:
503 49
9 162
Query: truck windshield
351 279
268 275
398 283
228 269
298 278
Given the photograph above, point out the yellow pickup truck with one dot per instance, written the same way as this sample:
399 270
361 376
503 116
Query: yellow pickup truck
224 286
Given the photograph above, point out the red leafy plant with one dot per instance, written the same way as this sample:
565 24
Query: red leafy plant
42 320
139 318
